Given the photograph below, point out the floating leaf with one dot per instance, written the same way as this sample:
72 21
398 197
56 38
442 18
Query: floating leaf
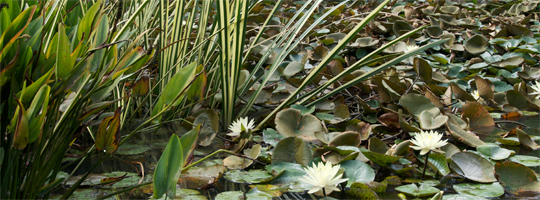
474 167
209 120
357 171
517 179
529 161
253 176
478 189
414 190
466 137
493 151
417 103
429 122
201 177
477 115
477 44
290 122
292 149
347 138
526 140
379 158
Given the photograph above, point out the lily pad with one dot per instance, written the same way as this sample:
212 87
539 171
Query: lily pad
526 140
477 44
201 177
461 197
132 149
293 150
477 115
429 122
494 152
290 122
529 161
466 137
251 177
379 158
474 167
517 179
347 138
357 171
478 189
414 190
417 103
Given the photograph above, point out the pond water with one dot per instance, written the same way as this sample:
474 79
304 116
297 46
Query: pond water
145 149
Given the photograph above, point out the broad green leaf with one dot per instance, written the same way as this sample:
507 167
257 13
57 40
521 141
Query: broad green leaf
290 122
168 168
478 189
14 30
173 92
529 161
293 150
85 26
64 61
189 142
517 179
37 113
414 190
357 171
474 167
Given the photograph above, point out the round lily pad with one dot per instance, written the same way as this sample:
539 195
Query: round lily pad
477 44
414 190
357 171
478 189
252 176
290 122
474 167
529 161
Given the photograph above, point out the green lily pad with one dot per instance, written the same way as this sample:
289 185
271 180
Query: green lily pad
449 9
438 161
414 190
256 194
289 178
429 122
362 193
271 136
526 140
417 103
461 197
478 189
182 193
434 31
517 179
477 44
292 68
290 122
251 177
466 137
529 161
230 195
357 171
494 152
293 150
379 158
201 177
474 167
347 138
132 149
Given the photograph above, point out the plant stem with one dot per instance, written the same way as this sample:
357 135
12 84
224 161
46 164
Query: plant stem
425 164
324 192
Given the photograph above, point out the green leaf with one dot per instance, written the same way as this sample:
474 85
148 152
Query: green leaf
474 167
517 179
20 137
529 161
414 190
494 151
64 61
290 122
168 168
172 93
293 150
14 30
189 142
86 24
478 189
357 171
253 176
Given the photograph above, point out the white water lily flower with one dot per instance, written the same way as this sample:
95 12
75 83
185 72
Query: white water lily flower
323 176
536 88
426 141
475 94
236 127
411 47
